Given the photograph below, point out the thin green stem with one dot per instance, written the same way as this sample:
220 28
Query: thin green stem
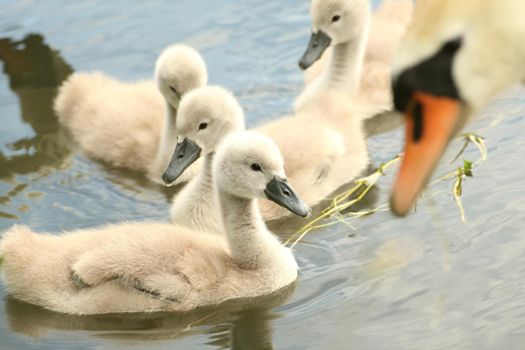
362 186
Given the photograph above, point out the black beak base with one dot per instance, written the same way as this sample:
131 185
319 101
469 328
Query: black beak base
185 154
279 191
433 76
318 43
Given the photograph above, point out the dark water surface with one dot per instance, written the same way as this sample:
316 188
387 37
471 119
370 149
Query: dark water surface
426 282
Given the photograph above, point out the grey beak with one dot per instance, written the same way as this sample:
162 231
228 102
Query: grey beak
279 191
318 43
185 154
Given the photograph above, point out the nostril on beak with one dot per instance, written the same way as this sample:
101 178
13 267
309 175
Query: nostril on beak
287 193
181 155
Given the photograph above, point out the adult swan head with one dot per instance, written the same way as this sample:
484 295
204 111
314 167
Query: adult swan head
456 56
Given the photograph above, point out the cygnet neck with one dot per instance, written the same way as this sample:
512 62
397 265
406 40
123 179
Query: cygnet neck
204 179
346 64
246 232
168 139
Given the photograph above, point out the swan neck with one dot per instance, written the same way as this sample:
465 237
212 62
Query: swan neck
205 176
168 140
247 235
170 131
346 64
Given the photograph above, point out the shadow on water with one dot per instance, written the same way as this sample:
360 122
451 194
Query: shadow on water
240 324
35 72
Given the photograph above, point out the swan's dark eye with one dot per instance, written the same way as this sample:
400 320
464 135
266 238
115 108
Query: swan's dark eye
174 90
203 126
256 167
336 18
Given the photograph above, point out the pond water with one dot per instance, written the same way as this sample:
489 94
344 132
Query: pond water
425 282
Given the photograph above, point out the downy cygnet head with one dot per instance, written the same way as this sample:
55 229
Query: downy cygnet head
205 117
249 165
334 22
179 69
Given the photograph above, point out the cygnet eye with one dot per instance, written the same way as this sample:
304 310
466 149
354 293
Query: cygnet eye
336 18
203 126
173 89
256 167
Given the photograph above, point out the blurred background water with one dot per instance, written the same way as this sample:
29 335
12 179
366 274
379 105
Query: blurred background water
425 282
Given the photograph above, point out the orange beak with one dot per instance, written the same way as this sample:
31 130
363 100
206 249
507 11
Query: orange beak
431 122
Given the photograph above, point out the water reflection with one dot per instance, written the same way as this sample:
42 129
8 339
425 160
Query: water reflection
241 324
35 71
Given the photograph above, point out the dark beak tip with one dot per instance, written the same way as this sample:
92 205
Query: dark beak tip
302 65
307 213
167 179
397 213
396 210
